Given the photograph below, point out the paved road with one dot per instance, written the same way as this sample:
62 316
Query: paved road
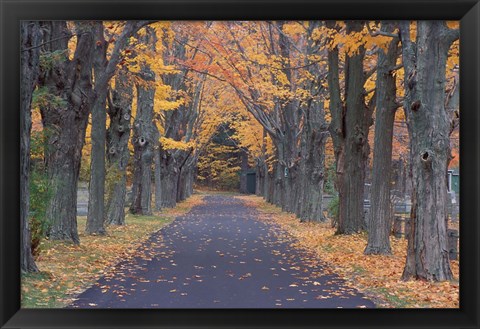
220 255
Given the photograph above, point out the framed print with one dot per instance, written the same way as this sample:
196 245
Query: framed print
239 164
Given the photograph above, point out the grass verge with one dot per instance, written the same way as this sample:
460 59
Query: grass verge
375 275
67 270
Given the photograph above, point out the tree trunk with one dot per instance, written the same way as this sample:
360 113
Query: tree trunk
243 170
356 138
158 180
65 121
259 178
313 143
380 218
143 144
290 114
278 179
182 186
96 190
314 174
429 126
145 135
30 55
261 187
118 134
336 128
271 187
169 176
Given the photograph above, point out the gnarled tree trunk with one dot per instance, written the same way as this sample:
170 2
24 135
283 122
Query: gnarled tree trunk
145 136
65 121
143 145
118 134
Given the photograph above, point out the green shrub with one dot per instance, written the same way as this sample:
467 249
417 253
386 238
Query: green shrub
40 194
39 188
333 208
329 182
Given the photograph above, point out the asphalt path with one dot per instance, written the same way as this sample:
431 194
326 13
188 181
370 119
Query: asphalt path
220 255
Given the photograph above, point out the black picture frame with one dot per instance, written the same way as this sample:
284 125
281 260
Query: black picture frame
12 316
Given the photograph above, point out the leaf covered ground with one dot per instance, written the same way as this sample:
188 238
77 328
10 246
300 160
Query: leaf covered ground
377 276
66 269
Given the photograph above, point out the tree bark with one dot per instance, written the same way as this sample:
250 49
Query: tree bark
96 189
29 64
429 126
278 177
313 143
243 171
145 135
356 140
337 127
349 129
143 145
169 176
158 179
118 154
290 119
65 121
312 209
380 220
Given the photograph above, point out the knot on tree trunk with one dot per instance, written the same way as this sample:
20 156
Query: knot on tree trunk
359 136
317 175
415 106
142 141
426 157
